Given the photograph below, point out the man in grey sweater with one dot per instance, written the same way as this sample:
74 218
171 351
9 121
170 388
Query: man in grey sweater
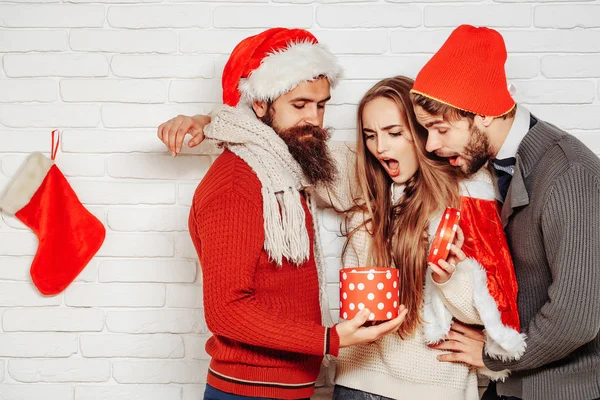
549 186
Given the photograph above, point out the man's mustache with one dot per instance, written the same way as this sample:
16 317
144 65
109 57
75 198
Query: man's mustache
446 155
307 132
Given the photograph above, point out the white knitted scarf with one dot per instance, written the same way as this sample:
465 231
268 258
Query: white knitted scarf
279 173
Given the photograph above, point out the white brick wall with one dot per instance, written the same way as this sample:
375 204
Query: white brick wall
107 72
55 65
161 16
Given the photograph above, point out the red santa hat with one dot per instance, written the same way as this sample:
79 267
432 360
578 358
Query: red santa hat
270 64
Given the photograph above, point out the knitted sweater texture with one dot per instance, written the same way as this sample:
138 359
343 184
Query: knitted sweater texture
552 223
267 340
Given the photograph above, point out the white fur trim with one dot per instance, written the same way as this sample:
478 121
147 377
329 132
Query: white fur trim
437 318
494 375
281 71
502 342
479 185
25 183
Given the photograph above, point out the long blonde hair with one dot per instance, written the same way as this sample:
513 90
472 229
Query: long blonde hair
399 231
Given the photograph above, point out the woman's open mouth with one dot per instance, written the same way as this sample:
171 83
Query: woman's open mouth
391 165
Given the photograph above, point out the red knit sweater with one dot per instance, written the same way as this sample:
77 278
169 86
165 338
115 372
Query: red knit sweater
268 339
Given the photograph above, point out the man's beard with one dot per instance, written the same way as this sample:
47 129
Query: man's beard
308 145
477 151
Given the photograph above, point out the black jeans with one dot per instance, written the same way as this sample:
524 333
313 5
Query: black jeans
345 393
491 394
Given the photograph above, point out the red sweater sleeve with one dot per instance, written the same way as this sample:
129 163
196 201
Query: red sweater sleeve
229 228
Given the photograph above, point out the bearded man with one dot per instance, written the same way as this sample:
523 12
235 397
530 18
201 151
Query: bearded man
252 226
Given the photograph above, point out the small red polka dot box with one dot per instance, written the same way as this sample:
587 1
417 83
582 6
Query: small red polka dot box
372 288
440 246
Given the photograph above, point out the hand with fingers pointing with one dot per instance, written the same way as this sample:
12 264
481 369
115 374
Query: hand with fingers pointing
173 132
442 272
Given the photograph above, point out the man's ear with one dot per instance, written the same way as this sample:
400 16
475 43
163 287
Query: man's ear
485 121
260 108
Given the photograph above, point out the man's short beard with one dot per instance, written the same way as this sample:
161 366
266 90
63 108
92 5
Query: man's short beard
477 151
308 145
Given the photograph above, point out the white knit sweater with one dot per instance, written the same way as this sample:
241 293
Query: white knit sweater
393 367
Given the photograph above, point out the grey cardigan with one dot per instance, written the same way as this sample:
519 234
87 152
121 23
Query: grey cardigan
551 218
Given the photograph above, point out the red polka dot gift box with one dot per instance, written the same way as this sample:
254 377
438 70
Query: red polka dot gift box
372 288
444 236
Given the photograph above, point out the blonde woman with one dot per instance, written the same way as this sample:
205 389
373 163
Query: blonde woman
390 221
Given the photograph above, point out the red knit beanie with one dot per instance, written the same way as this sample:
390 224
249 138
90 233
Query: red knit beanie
270 64
467 73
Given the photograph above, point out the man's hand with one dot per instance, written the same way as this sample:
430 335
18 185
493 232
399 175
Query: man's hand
465 343
172 133
353 332
442 272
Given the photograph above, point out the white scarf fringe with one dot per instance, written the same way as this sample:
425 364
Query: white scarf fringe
280 175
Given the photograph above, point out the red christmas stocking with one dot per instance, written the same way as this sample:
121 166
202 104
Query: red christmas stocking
69 236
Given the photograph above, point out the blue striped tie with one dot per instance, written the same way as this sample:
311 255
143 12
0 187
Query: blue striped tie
505 168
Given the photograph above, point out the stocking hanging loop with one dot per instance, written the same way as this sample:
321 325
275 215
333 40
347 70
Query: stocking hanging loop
54 149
